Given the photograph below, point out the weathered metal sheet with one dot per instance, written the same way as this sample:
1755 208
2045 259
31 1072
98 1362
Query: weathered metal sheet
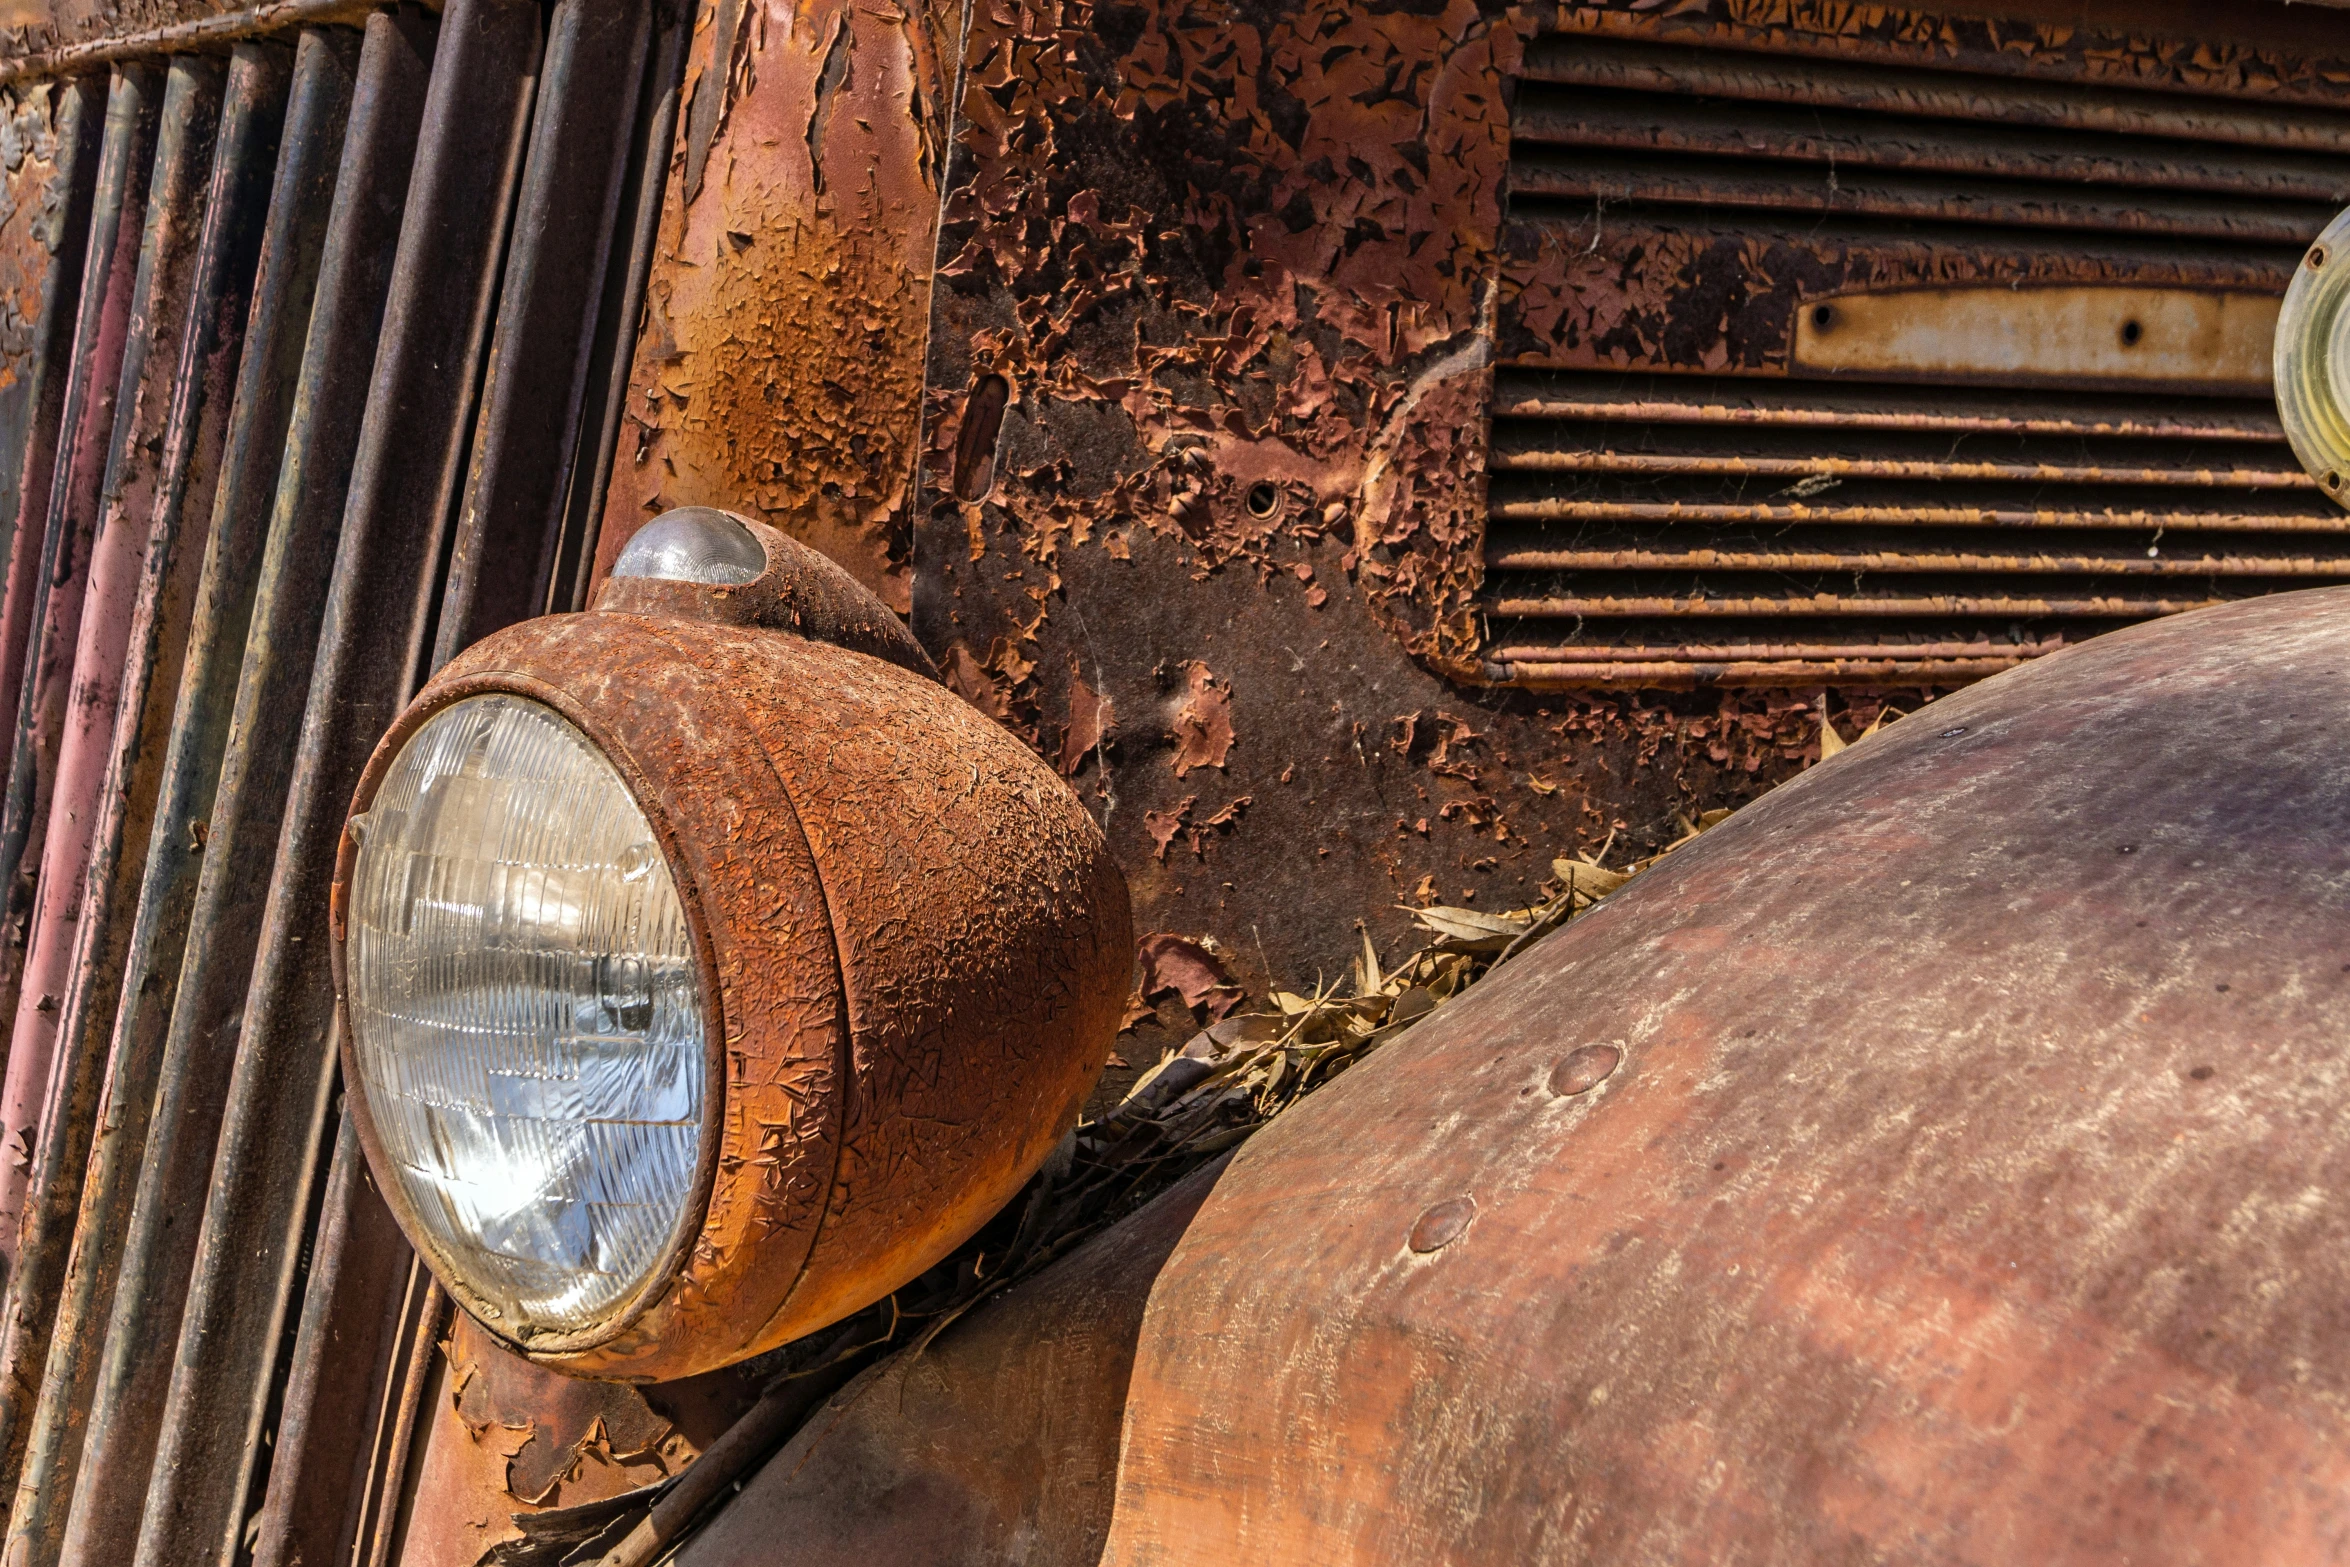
779 371
1958 1193
1228 272
997 1441
501 1437
159 1227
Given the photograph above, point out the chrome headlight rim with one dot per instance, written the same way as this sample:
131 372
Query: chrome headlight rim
2313 334
677 1251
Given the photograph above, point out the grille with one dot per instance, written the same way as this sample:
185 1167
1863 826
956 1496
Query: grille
1678 497
331 335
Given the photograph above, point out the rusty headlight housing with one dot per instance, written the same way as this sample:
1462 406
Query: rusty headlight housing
2312 360
707 968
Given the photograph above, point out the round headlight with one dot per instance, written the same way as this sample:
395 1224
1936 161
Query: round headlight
526 1010
708 969
2312 360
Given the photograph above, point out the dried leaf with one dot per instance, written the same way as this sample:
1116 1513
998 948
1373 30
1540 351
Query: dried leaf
1830 741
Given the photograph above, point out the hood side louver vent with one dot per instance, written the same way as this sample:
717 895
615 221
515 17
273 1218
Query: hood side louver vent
1838 372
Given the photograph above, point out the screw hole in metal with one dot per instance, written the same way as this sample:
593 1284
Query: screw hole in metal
2133 332
1823 316
2317 257
1263 500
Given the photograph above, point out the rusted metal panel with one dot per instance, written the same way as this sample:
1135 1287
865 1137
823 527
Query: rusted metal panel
995 1442
779 370
501 1437
176 521
1957 1193
375 631
508 538
161 1223
1229 270
2187 340
48 585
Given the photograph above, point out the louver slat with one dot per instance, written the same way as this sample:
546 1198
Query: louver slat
1675 498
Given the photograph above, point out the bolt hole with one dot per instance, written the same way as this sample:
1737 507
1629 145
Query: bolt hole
2334 481
1263 500
1823 316
2132 333
2317 257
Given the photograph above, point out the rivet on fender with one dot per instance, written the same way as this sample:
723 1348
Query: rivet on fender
1443 1224
1584 1069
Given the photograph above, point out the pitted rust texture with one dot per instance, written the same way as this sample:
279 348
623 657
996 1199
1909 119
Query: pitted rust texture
985 947
1962 1190
1638 292
919 945
503 1437
778 370
30 208
997 1442
1221 252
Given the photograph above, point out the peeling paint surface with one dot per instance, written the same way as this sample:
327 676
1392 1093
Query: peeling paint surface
1237 266
779 367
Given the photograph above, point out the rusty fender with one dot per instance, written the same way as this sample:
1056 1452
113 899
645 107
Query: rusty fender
1938 1162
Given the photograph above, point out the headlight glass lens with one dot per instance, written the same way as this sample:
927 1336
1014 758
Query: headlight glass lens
526 1012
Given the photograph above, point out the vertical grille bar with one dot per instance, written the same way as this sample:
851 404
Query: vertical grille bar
375 633
93 682
624 292
509 528
180 522
286 283
110 272
80 111
133 1374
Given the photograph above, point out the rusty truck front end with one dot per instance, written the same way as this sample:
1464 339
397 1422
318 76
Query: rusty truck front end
911 734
